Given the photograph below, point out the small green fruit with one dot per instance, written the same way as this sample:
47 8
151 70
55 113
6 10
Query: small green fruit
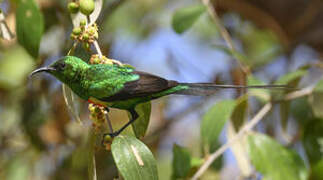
86 7
73 7
77 31
83 22
85 36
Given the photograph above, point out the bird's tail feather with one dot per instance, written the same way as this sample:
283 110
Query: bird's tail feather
200 89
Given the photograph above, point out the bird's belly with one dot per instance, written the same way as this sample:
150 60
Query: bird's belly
99 102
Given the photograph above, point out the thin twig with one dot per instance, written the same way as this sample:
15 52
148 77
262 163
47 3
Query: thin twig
300 93
224 32
239 135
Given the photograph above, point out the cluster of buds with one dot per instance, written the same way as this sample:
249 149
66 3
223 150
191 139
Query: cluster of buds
98 117
85 34
95 59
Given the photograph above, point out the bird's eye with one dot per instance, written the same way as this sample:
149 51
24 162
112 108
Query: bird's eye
60 66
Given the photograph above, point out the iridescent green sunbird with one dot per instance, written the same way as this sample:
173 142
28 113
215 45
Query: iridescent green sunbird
116 86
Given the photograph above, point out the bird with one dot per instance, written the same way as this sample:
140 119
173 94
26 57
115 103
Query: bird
122 87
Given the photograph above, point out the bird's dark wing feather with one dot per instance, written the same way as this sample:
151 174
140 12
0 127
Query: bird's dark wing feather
146 85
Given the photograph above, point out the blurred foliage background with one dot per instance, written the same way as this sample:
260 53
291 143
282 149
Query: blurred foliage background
278 41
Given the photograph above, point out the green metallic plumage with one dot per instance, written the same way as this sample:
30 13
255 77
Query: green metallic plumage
123 87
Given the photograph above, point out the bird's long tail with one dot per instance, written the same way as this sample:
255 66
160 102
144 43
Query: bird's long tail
200 89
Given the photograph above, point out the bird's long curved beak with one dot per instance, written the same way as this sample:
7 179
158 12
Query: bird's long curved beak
43 69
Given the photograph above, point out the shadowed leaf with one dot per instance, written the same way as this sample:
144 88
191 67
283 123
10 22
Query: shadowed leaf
181 162
184 18
141 124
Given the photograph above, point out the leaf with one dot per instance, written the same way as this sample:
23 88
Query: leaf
184 18
317 103
262 94
301 110
319 86
261 46
214 120
275 161
29 25
289 77
317 171
133 159
240 111
234 53
141 124
181 162
284 113
313 139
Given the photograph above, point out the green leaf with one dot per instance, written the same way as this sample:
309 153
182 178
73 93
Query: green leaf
234 53
317 171
319 86
240 111
214 120
184 18
141 124
181 162
317 103
261 46
313 139
133 159
262 94
292 76
284 113
275 161
29 25
301 110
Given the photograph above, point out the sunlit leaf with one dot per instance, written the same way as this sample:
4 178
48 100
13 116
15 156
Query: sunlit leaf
184 18
29 25
133 159
181 162
274 161
214 120
240 112
141 124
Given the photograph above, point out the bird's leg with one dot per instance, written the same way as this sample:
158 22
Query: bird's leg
134 116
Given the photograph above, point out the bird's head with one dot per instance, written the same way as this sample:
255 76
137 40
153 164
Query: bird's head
65 69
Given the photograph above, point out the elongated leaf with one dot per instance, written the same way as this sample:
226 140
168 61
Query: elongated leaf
313 139
29 25
214 120
181 162
275 161
240 112
141 124
289 77
184 18
133 159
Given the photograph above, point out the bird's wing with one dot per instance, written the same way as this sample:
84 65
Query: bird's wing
146 85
